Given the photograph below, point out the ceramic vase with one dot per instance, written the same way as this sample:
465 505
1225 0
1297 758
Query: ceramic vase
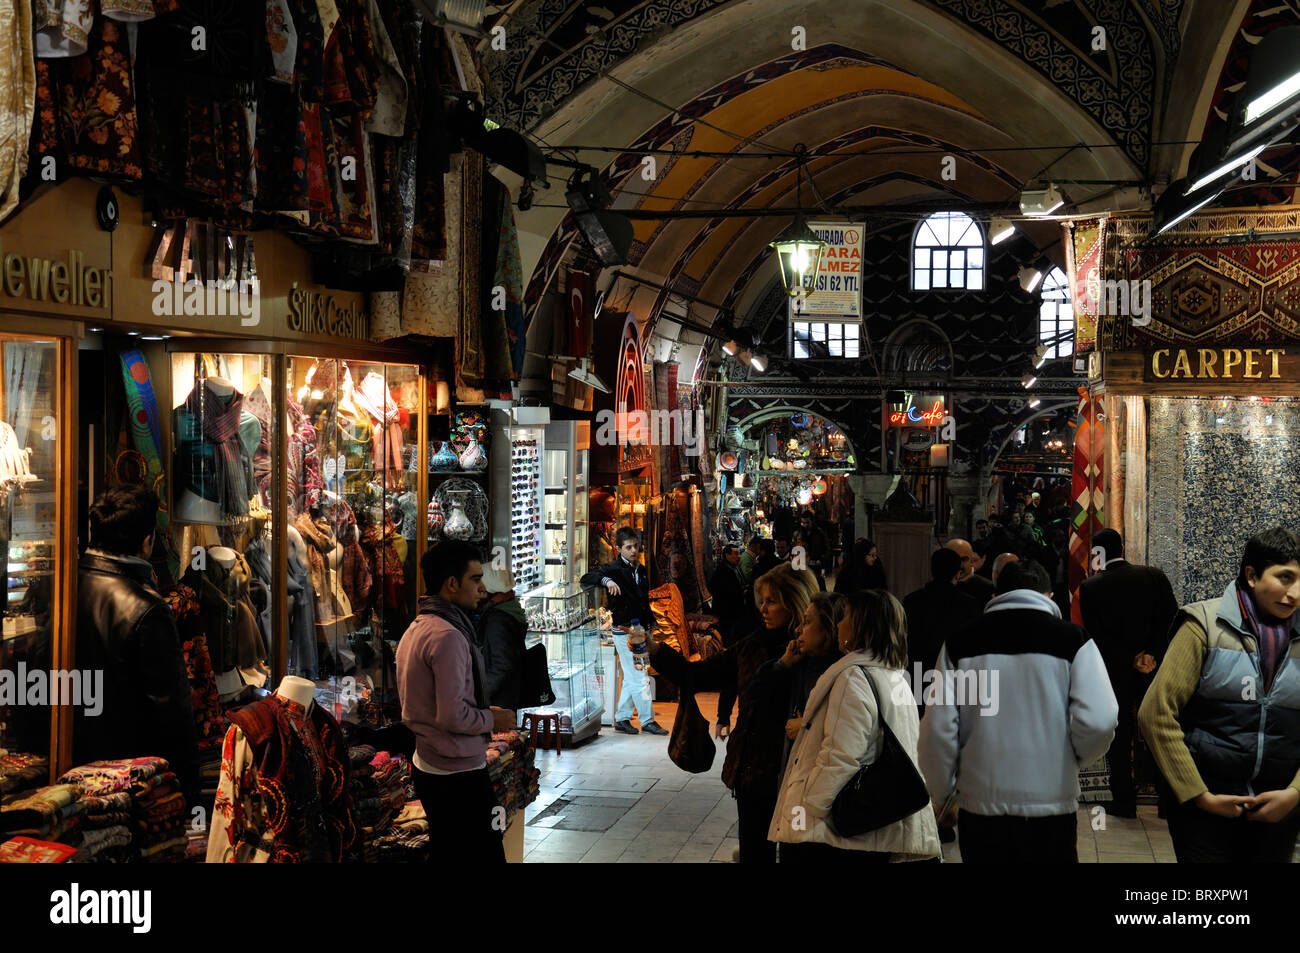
474 457
436 520
444 460
458 524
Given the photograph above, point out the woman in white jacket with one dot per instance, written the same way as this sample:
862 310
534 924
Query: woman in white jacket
842 731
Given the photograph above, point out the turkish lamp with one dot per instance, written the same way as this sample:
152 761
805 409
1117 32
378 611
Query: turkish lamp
800 254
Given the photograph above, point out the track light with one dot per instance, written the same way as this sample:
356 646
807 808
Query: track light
1210 163
1177 204
731 347
463 16
1040 202
1270 97
1029 380
1030 276
758 362
1000 229
1034 402
608 233
1040 356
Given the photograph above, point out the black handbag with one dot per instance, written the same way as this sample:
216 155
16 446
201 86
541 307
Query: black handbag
690 747
535 679
883 792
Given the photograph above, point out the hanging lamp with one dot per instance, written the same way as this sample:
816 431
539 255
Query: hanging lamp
798 249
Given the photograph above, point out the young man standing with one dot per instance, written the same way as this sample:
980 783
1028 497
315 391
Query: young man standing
629 598
1223 713
1026 701
443 691
126 631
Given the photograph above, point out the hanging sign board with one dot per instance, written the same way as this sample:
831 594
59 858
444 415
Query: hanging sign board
838 291
915 438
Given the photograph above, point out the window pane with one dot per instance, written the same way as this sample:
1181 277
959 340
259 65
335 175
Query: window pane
800 349
975 257
975 279
836 348
851 348
921 280
819 332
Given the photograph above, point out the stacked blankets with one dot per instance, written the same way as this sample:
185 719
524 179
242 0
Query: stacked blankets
19 772
106 829
406 842
50 813
510 765
140 795
379 783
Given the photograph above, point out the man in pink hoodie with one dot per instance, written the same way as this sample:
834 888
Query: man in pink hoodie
442 687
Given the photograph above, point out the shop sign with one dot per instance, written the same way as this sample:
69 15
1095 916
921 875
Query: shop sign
189 249
914 415
61 281
914 438
1221 363
316 312
838 289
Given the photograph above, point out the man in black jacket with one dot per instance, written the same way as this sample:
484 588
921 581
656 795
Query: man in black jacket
935 612
628 590
1128 610
728 595
126 630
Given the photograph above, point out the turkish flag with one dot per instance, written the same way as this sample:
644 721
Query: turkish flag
581 304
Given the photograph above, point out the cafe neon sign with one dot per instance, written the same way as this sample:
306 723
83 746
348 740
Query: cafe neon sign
914 416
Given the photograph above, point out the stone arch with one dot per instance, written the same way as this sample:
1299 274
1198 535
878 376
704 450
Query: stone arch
917 345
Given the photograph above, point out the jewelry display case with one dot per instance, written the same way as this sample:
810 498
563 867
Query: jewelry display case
562 616
565 501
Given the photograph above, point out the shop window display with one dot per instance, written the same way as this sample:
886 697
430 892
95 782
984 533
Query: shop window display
353 517
29 419
222 431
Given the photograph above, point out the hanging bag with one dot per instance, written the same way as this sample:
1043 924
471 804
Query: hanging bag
535 681
883 792
690 747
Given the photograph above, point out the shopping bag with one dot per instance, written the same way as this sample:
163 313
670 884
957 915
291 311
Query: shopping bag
690 747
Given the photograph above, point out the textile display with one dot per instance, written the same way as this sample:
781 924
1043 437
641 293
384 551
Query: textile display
380 789
142 424
470 357
284 795
1203 292
510 762
1208 462
19 771
1083 254
1087 496
48 813
1134 457
17 99
186 611
111 777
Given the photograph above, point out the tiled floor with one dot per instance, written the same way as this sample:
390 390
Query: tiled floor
618 798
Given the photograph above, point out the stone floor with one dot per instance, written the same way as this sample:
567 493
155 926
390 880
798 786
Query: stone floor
618 798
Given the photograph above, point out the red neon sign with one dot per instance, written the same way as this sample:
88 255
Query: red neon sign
913 415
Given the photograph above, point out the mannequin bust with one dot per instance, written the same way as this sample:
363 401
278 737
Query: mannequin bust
297 690
296 544
221 386
223 556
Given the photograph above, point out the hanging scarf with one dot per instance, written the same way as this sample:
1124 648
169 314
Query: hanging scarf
373 397
219 419
1273 637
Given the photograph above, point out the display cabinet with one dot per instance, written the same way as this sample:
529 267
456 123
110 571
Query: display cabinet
562 617
564 549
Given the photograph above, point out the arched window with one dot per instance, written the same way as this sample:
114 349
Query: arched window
1056 316
948 252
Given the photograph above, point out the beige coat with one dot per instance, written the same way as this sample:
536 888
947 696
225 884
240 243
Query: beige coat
842 731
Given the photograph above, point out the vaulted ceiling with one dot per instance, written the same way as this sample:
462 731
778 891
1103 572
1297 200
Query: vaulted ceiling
881 91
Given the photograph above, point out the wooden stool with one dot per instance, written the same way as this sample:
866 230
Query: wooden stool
543 718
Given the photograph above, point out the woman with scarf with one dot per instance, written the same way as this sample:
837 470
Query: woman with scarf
753 766
1222 716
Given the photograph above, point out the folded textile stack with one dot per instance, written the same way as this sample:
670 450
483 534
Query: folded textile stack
110 777
510 765
378 789
159 819
20 772
106 829
50 813
406 842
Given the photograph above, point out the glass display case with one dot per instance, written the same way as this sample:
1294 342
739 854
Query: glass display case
353 522
526 501
562 617
565 501
30 424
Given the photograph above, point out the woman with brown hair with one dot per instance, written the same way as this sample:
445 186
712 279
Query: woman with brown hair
753 766
843 729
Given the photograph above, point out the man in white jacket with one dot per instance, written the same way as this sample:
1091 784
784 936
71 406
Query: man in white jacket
1013 760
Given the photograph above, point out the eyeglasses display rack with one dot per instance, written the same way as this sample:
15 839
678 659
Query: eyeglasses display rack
526 508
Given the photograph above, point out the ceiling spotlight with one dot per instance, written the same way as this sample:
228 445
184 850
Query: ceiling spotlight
731 347
462 16
584 373
1177 204
1029 380
1039 202
1030 276
608 233
1209 163
1000 229
1035 402
1040 356
1270 98
758 362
